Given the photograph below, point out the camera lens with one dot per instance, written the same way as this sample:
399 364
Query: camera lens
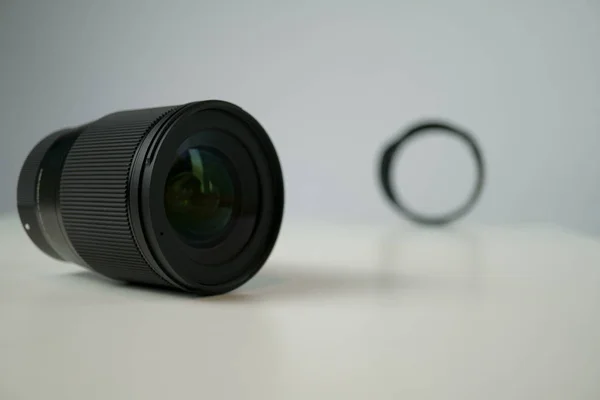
199 194
187 197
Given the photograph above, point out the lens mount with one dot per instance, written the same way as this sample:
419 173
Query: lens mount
37 194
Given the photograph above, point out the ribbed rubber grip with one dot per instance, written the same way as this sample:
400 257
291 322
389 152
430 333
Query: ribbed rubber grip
94 195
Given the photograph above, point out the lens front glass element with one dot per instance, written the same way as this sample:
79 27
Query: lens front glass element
199 194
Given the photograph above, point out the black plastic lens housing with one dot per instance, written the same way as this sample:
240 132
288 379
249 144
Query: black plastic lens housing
113 196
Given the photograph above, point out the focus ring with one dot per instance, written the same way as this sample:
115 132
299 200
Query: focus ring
94 195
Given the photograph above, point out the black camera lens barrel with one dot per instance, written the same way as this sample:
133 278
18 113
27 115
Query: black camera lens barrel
105 187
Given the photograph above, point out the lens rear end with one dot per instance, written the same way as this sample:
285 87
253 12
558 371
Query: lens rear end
37 194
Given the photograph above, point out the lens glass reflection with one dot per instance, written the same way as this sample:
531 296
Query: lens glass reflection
199 194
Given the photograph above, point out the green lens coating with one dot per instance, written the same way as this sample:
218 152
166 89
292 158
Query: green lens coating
199 194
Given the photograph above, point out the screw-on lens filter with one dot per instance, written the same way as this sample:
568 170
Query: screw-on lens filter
393 194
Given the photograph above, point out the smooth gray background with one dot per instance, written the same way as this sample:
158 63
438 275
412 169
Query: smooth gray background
331 81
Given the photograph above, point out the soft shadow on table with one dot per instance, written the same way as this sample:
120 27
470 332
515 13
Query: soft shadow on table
281 281
285 281
89 280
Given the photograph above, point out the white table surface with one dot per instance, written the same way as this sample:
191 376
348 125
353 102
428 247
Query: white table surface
338 312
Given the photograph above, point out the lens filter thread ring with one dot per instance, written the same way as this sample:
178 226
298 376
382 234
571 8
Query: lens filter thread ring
391 151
